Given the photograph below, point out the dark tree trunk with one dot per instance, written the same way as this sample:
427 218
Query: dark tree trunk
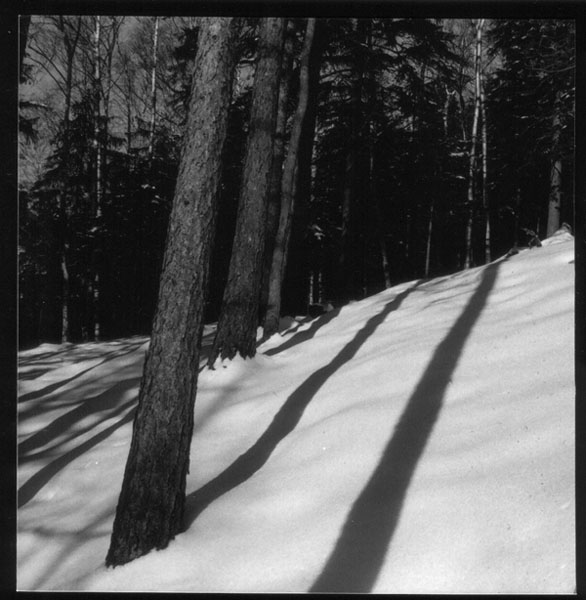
555 177
271 324
274 193
151 504
239 315
468 258
346 275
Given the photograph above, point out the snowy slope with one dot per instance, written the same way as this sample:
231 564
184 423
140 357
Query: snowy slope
421 440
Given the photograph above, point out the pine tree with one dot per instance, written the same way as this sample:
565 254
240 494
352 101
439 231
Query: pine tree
239 317
151 504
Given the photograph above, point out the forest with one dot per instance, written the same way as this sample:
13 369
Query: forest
176 172
425 146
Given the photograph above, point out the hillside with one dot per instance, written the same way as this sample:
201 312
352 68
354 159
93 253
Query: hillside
418 441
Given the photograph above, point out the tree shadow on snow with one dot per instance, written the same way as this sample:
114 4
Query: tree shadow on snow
284 421
303 336
49 389
355 562
102 403
33 485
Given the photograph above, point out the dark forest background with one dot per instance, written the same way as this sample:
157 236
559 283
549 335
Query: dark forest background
429 146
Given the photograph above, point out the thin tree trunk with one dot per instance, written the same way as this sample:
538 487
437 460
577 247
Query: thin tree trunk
276 176
428 245
485 205
153 91
151 504
555 177
98 179
345 261
70 44
473 146
271 324
239 316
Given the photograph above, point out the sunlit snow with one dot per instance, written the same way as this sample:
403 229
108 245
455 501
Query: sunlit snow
418 441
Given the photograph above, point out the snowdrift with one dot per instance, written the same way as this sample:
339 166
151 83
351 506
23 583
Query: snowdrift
418 441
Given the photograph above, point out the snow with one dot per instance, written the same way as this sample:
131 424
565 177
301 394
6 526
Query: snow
418 441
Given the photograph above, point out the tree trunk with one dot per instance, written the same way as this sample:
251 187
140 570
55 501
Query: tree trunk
151 504
346 283
473 146
64 211
555 177
485 205
276 176
239 315
153 91
271 324
98 180
428 245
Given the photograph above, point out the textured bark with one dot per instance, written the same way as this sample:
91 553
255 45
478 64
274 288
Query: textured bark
276 176
151 504
271 324
239 315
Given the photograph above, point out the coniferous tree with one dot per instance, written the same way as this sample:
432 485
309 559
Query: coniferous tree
239 316
151 504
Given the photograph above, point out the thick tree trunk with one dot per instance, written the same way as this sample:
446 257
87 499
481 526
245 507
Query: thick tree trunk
271 324
473 147
151 505
276 176
239 315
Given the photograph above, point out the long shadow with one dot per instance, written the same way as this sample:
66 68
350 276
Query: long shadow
355 562
246 465
100 403
303 336
49 389
31 488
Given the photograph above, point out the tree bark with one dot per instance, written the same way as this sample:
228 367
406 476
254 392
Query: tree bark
271 324
153 91
473 146
239 315
151 504
555 177
347 258
276 176
485 205
70 42
98 179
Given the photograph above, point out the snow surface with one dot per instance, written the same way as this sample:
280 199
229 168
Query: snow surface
418 441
